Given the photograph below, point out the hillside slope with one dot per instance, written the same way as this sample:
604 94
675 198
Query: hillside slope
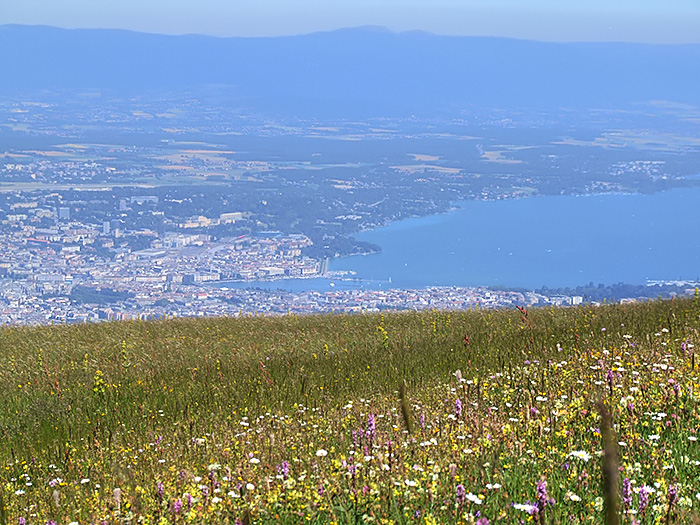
444 417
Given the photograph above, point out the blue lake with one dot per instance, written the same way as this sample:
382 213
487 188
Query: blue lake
553 241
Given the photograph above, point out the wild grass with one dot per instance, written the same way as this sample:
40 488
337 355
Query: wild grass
432 417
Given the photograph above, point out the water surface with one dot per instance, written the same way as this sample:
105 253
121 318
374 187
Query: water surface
552 241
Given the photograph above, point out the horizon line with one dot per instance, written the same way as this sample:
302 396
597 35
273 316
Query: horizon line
366 27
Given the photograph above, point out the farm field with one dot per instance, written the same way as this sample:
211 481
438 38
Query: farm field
570 415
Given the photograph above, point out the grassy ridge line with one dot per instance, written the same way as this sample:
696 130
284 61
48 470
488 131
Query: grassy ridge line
55 380
67 381
108 402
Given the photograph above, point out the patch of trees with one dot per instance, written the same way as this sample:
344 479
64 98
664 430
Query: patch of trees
615 292
83 294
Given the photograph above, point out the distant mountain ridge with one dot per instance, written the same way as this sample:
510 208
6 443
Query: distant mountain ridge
363 69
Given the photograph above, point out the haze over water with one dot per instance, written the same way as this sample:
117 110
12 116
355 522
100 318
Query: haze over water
552 241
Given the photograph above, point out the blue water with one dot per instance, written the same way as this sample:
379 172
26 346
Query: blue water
552 241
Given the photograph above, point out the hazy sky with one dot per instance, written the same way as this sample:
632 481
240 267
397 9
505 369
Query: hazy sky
664 21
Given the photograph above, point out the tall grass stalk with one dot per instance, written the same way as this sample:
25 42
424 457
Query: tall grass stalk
610 467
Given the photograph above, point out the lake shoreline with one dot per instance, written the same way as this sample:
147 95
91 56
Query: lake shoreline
627 208
358 264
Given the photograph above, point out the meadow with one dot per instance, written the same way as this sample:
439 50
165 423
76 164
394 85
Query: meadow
560 415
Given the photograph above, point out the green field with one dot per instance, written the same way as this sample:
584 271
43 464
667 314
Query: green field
434 417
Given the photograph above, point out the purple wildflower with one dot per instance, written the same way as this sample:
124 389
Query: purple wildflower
671 499
542 499
627 493
687 347
461 494
610 378
542 496
672 496
421 420
284 469
458 408
160 490
643 499
482 521
676 388
22 521
177 506
371 426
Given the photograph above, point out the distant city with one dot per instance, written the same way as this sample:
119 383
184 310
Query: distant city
141 192
55 268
